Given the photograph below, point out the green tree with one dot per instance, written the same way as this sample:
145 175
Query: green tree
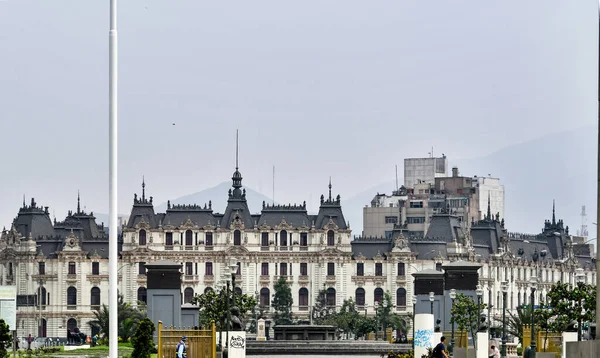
213 306
6 339
571 303
322 313
365 325
282 303
129 318
384 311
258 312
347 318
465 313
142 340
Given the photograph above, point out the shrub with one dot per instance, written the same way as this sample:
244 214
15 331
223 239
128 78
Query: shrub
143 345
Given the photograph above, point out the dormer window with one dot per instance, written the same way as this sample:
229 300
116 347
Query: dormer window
169 239
283 238
237 237
189 238
209 239
142 237
330 238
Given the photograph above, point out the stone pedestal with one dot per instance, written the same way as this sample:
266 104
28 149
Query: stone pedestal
423 333
567 337
236 347
483 345
261 330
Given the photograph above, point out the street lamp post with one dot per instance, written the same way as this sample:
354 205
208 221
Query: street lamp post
504 287
40 298
479 293
580 277
533 284
414 302
376 305
451 348
431 299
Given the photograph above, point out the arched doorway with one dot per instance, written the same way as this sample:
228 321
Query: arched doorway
42 329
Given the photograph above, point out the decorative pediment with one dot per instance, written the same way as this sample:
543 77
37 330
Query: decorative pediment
331 252
237 250
237 222
379 256
331 225
188 224
264 227
401 244
143 224
94 255
360 257
284 225
72 242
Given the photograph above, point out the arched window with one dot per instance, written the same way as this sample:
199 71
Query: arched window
142 237
360 296
71 324
401 269
95 298
71 296
331 297
401 297
265 297
188 294
303 297
189 238
43 331
237 237
142 295
206 290
42 291
283 238
330 238
378 294
238 291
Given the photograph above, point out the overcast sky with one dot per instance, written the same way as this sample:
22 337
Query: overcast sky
345 89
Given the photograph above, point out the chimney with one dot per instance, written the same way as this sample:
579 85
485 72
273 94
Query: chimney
454 172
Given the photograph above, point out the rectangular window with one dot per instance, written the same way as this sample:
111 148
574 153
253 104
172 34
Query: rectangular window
360 269
264 239
416 204
141 268
415 220
330 269
303 239
264 269
378 269
42 268
169 239
209 239
401 269
95 268
72 269
303 269
189 268
283 269
391 219
208 269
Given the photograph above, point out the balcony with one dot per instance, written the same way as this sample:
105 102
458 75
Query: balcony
209 279
72 277
330 279
208 248
189 247
284 248
265 248
303 248
401 279
303 279
265 279
287 279
169 247
191 278
72 307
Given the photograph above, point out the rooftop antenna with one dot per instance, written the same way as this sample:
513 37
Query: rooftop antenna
396 177
273 184
236 148
583 231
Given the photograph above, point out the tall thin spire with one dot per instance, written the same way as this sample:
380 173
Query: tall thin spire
24 201
489 211
236 149
143 189
553 213
78 202
329 188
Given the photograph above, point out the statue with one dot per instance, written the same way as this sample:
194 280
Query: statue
236 323
483 326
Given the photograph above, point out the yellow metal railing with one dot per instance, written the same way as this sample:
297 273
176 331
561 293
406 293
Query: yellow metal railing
201 343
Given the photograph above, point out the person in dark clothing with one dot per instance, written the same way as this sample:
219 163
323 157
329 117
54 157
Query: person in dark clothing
440 350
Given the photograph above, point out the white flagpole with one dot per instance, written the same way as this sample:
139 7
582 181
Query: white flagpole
112 186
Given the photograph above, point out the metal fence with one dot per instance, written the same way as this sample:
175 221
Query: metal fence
201 343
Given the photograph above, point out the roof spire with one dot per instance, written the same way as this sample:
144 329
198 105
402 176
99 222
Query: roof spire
489 211
236 148
329 188
24 205
78 202
143 189
553 213
237 176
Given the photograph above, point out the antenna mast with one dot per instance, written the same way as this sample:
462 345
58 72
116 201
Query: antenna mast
583 231
273 185
396 177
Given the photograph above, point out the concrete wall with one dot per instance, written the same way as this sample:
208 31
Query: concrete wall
585 349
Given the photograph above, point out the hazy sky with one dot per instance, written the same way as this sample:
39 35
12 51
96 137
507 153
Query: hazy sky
317 88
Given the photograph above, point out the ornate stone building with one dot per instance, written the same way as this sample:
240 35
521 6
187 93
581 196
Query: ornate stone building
67 261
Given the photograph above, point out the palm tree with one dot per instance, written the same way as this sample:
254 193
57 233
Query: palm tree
129 318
